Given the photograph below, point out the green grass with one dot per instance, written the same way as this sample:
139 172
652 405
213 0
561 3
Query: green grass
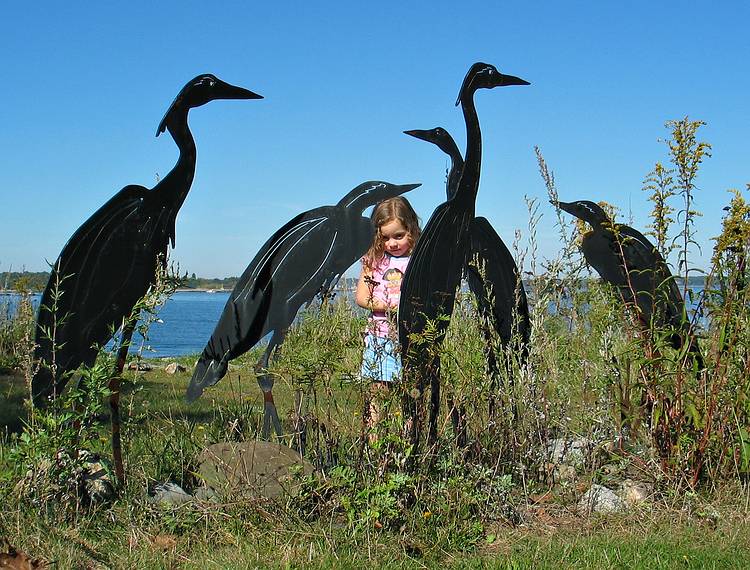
131 535
164 431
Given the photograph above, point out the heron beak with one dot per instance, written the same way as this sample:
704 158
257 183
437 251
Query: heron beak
511 80
418 134
404 188
224 90
565 207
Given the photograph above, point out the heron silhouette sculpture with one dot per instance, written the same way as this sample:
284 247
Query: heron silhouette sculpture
110 262
492 275
426 293
303 258
626 259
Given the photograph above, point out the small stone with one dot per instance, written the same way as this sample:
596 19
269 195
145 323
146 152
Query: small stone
170 494
635 492
140 366
98 481
600 499
174 367
572 452
206 494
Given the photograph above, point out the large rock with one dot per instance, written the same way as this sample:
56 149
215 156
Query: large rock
252 468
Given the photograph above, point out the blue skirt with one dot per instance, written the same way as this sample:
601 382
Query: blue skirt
380 362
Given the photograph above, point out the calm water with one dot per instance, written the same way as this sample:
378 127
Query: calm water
185 323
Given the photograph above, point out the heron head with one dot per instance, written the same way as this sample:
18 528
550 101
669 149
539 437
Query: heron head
370 193
199 91
486 76
439 137
585 210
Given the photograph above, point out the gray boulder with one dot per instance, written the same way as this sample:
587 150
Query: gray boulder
252 469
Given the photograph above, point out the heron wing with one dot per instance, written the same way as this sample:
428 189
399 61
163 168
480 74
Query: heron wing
654 282
286 272
84 298
494 279
429 286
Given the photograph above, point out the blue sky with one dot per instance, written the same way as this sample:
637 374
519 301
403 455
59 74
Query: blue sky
86 86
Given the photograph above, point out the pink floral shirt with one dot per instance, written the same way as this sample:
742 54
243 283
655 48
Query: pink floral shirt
386 287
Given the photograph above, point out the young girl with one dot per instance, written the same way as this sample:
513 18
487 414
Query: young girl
379 288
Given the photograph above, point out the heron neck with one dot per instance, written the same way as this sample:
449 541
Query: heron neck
469 182
176 184
454 175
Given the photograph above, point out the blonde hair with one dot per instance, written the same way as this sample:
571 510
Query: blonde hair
388 210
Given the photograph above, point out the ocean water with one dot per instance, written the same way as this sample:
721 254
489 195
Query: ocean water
184 325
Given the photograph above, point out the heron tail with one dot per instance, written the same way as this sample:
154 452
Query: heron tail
207 372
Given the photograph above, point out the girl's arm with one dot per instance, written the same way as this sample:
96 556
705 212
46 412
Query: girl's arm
363 296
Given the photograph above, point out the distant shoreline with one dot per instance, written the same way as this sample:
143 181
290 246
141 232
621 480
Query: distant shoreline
346 284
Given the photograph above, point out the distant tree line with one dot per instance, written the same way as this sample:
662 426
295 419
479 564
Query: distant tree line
24 280
193 282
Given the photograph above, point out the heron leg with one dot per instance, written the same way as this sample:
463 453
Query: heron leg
433 371
270 417
114 401
458 420
265 381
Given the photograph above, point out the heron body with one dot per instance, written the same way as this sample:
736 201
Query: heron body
111 260
439 258
626 259
495 279
304 257
442 252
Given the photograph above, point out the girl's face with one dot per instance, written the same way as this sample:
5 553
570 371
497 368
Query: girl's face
395 238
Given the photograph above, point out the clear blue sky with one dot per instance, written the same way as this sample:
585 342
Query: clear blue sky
86 85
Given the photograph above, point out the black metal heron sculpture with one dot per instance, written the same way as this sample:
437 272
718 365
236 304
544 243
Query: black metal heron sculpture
426 293
110 261
626 259
494 279
303 258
